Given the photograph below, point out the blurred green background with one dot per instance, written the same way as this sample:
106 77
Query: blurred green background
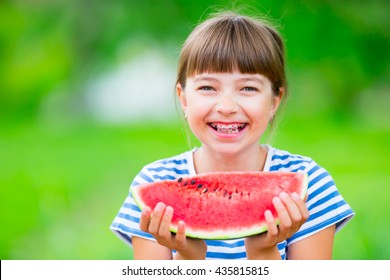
86 99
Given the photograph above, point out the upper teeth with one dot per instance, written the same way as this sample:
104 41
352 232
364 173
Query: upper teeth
230 128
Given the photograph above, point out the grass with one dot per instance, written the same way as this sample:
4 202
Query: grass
61 185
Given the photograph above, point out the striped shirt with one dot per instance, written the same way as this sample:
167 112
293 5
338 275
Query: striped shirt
325 204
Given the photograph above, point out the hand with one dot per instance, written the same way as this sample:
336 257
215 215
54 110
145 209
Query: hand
292 213
158 222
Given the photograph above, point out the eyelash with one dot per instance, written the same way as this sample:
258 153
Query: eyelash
250 89
245 89
207 88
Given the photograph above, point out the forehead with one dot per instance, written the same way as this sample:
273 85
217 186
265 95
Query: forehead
229 78
236 76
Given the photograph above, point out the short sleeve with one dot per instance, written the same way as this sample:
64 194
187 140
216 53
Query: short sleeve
126 222
325 204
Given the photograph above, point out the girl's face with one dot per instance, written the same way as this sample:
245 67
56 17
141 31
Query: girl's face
228 112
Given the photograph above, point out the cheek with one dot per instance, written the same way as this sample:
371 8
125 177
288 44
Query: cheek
199 107
196 113
257 109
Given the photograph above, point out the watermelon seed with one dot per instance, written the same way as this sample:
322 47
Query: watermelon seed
193 181
224 192
185 184
205 190
180 180
199 186
230 196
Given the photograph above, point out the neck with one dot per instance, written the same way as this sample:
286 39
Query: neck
253 159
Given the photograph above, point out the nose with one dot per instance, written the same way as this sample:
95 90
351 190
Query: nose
227 104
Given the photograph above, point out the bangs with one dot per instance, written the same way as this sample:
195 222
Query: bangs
232 44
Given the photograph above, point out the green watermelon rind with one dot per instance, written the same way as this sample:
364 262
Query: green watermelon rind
224 234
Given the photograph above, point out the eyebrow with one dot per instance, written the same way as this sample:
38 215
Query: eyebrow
245 79
252 79
200 79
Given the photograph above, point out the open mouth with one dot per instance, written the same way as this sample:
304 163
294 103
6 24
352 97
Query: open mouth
228 128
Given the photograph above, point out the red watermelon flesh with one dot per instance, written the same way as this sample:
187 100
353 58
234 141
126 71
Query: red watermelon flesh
221 205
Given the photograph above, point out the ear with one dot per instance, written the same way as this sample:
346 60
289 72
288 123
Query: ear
276 101
182 97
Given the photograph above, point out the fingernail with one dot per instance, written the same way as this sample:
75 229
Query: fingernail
295 196
268 213
169 209
276 200
283 195
159 206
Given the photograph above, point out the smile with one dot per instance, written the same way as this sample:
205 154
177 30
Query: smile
231 128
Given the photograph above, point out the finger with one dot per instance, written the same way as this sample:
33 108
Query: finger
284 216
306 197
301 205
292 208
145 219
157 214
271 223
164 229
181 233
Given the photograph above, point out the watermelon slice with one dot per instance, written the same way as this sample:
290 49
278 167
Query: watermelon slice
221 205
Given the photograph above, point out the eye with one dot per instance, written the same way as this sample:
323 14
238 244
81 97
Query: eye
249 89
205 88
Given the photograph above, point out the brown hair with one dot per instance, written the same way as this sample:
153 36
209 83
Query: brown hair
229 41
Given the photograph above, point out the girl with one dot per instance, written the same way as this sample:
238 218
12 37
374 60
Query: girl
231 81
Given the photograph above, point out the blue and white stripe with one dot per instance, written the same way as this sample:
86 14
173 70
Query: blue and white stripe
326 205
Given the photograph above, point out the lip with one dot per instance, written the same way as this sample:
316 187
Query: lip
228 126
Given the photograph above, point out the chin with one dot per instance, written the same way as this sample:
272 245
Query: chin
227 149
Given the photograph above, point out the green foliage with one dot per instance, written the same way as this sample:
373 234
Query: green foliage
52 44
